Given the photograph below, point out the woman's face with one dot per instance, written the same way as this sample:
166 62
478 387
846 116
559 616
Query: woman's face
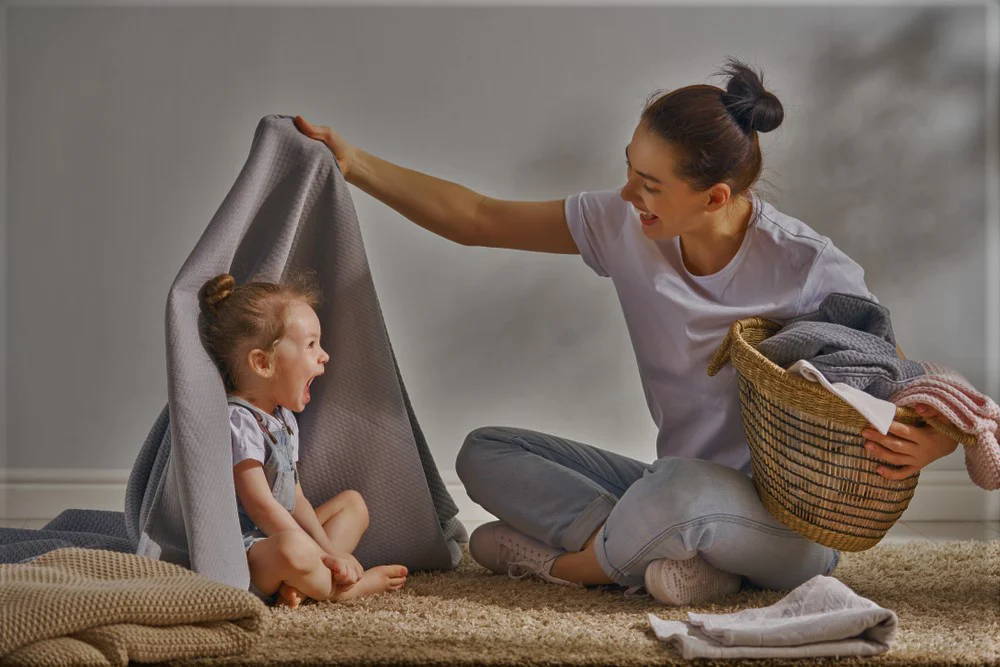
652 187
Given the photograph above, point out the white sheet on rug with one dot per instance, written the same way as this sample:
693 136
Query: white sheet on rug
822 617
880 413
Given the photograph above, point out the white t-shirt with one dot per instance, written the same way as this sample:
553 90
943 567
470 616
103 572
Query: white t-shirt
677 320
248 441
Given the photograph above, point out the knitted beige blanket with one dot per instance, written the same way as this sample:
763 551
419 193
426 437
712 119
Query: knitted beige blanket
96 607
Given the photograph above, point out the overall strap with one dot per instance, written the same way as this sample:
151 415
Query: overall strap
288 428
256 412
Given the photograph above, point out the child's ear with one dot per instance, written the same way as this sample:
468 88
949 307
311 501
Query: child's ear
260 363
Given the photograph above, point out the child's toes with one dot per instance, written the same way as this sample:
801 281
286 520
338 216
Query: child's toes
290 595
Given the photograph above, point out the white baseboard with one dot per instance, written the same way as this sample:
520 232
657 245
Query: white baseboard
42 493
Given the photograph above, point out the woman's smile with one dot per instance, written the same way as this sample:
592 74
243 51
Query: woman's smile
645 217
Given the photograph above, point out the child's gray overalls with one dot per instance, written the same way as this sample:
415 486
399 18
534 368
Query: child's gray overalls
280 472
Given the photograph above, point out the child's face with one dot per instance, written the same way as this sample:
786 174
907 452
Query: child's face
299 357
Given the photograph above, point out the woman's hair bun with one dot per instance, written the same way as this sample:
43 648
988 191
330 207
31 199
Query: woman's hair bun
753 107
215 291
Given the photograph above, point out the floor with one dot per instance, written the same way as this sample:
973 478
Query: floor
907 531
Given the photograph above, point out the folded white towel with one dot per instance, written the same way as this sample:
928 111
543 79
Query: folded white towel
822 617
880 413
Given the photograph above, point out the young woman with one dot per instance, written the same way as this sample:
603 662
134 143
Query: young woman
691 248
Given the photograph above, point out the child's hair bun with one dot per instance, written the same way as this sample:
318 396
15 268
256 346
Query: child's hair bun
215 291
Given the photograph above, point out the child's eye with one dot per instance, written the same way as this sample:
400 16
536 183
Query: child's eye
312 343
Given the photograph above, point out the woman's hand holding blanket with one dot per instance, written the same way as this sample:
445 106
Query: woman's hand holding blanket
909 446
343 152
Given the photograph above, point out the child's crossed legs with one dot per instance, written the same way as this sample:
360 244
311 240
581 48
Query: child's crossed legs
293 564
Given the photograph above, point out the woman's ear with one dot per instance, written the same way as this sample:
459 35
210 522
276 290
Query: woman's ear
718 196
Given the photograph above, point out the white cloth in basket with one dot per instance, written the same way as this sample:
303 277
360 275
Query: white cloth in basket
878 412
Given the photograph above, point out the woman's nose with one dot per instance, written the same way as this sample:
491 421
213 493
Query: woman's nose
626 193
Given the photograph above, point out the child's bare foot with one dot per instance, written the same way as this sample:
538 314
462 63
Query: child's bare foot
374 581
289 596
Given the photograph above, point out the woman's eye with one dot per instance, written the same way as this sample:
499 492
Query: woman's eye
628 165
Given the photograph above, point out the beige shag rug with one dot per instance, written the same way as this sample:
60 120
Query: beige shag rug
947 596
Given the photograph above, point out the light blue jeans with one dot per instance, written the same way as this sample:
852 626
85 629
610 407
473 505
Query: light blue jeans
560 492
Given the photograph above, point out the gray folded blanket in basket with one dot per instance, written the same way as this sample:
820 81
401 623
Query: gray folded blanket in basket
848 339
289 208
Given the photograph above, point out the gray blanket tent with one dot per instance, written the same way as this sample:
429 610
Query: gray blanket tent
290 208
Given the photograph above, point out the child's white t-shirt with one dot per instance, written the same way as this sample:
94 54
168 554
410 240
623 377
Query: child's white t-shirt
248 440
677 320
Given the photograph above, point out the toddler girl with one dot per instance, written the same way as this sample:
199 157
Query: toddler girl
265 340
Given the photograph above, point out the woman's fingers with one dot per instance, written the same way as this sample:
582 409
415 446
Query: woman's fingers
317 132
902 431
901 473
342 151
927 411
900 438
887 455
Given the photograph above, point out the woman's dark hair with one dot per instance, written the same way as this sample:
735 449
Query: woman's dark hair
714 131
238 319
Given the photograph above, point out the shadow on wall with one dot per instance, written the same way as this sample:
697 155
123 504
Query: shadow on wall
902 163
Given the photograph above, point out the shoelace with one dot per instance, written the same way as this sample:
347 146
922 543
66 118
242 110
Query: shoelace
517 552
519 568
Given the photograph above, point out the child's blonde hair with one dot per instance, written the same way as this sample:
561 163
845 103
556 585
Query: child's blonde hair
238 319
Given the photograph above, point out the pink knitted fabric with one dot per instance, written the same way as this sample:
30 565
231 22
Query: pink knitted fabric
960 403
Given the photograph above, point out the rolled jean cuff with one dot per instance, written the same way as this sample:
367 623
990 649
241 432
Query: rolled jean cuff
601 553
587 522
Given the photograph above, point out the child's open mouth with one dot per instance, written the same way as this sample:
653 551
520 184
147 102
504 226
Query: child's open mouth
305 392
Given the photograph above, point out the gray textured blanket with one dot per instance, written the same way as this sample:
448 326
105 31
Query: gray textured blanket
290 208
848 339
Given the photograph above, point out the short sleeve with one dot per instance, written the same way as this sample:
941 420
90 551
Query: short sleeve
596 221
248 441
832 272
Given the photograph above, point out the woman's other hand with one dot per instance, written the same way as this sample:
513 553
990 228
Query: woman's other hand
909 446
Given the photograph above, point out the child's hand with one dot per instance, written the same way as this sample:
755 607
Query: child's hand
345 567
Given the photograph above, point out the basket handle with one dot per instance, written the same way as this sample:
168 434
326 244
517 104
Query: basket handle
721 356
952 431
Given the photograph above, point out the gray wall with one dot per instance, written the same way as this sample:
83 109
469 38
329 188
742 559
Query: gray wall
126 127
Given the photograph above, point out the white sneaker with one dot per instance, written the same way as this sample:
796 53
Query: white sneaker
684 582
503 550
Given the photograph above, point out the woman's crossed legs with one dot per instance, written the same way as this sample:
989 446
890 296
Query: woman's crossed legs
620 515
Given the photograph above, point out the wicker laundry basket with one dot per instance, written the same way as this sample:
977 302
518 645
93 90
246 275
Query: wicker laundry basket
810 467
